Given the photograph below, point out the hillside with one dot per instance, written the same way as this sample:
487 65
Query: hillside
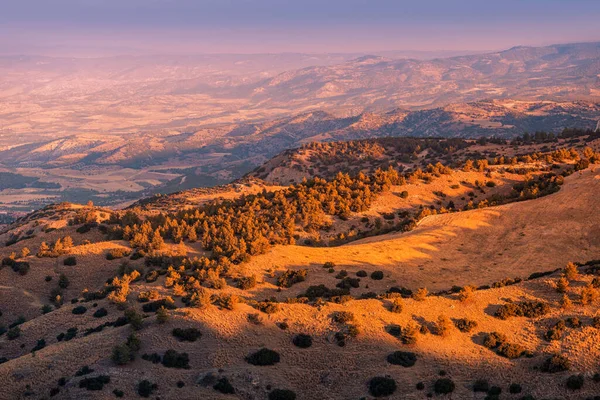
328 276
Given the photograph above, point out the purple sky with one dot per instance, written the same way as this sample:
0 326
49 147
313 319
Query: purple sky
255 26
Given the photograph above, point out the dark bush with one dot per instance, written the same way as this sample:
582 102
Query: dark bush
187 334
377 275
79 310
263 357
527 309
95 383
556 363
173 359
481 385
85 370
70 261
113 254
342 317
41 343
224 386
21 267
282 394
575 382
302 340
465 325
118 393
291 277
510 350
403 358
155 305
444 386
361 274
493 340
154 358
145 388
515 388
495 391
54 391
420 386
101 312
380 386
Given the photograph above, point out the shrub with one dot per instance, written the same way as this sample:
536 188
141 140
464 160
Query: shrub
246 282
361 274
162 315
381 386
101 312
409 334
403 358
113 254
85 370
173 359
167 303
571 271
95 383
46 308
342 317
282 394
465 325
263 357
291 277
134 318
41 343
444 386
145 388
510 350
575 382
268 307
302 340
118 393
556 363
481 385
79 310
527 309
187 334
515 388
377 275
421 294
21 267
121 354
13 333
443 326
466 293
224 386
396 306
70 261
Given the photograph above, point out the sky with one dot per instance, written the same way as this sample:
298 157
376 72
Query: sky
274 26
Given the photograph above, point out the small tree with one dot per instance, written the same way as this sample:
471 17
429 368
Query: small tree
162 315
571 271
25 252
566 303
562 284
63 281
421 294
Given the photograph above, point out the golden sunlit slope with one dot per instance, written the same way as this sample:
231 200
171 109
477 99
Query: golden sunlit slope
473 247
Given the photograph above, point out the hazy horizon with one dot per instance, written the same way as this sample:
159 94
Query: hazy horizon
88 28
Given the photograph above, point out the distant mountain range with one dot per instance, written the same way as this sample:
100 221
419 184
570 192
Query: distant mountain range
205 120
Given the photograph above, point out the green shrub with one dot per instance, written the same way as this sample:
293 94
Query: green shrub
465 325
342 317
145 388
302 340
444 386
515 388
403 358
13 333
187 334
381 386
282 394
291 277
556 363
575 382
79 310
101 312
70 261
95 383
224 386
481 385
263 357
377 275
173 359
